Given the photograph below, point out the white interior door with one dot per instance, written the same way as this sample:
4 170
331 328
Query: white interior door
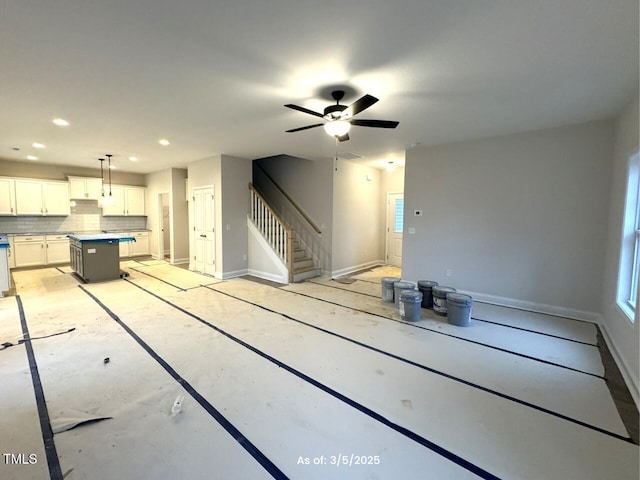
204 235
395 218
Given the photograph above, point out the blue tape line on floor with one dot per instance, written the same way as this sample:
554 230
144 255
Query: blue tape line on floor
269 466
433 330
535 332
433 370
352 403
55 472
160 279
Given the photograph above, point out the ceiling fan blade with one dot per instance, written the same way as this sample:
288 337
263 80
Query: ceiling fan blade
304 110
304 128
375 123
343 138
358 106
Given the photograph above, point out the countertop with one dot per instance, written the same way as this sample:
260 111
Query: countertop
89 232
101 237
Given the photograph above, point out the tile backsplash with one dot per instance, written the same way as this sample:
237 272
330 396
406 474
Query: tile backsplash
85 216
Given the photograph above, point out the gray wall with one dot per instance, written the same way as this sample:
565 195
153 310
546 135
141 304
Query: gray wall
356 217
172 182
622 335
236 175
519 216
179 216
207 173
230 177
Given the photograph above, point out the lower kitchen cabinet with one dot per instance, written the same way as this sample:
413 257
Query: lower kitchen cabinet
35 250
138 248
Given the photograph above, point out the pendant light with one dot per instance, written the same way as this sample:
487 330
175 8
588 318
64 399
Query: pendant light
102 199
110 196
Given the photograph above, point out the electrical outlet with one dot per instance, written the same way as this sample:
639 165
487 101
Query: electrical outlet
448 272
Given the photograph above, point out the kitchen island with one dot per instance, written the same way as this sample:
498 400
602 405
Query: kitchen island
96 258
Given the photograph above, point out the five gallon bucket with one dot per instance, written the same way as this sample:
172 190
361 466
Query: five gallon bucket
426 286
409 307
459 309
387 288
397 287
440 299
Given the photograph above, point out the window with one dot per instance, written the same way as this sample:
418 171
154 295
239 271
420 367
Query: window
399 207
630 248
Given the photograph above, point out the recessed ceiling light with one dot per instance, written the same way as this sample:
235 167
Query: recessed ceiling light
61 122
32 157
164 142
133 159
113 167
38 145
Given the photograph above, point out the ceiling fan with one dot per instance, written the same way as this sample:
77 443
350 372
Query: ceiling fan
339 118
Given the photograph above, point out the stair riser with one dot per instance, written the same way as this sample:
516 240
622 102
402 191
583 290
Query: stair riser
307 262
299 277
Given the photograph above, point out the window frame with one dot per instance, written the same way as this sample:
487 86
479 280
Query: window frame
629 264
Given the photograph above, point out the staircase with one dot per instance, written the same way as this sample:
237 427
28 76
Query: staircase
282 239
303 265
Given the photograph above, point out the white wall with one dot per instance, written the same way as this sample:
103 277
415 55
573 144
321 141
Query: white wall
520 216
356 217
623 336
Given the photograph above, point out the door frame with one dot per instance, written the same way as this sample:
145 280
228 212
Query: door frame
387 230
193 232
160 236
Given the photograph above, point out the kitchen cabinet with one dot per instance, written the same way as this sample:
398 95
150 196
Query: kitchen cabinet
29 250
57 249
126 201
35 250
134 249
7 196
85 188
37 197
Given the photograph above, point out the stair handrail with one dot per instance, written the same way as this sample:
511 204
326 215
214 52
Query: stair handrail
291 200
273 228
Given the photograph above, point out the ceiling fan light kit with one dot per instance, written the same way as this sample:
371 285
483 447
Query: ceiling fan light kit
338 118
337 128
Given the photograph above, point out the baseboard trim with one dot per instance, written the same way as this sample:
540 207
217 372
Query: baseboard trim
632 383
180 261
554 310
233 274
267 276
355 268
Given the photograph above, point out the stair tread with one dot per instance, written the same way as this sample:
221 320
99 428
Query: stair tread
305 269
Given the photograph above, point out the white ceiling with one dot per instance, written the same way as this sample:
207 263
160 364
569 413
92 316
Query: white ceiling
212 77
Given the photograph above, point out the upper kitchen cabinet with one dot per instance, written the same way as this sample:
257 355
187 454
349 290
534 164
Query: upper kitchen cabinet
37 197
127 201
85 188
7 196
